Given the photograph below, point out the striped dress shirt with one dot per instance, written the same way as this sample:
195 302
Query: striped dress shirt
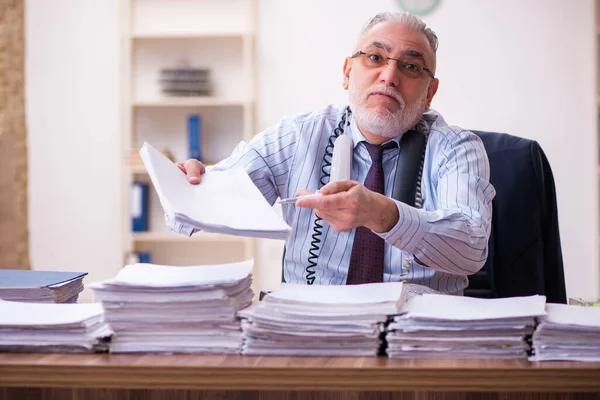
448 236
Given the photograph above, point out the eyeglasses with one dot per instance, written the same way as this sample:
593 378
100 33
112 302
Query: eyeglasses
375 59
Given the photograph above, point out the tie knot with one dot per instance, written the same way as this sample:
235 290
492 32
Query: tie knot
376 151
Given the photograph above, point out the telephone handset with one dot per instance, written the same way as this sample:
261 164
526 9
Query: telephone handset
337 165
341 160
408 167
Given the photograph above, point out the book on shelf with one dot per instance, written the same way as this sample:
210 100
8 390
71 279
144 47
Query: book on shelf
185 81
139 206
40 286
194 128
137 257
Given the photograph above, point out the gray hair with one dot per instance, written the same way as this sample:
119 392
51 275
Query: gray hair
405 18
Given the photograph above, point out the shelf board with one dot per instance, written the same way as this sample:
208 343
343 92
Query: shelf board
172 237
138 170
205 101
188 35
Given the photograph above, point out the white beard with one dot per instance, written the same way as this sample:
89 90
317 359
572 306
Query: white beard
382 122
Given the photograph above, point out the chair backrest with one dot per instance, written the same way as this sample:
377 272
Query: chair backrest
525 256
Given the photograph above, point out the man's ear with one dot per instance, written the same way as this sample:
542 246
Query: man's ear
346 71
432 90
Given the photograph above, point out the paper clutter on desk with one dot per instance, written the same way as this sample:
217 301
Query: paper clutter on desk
568 333
446 326
57 328
176 309
321 320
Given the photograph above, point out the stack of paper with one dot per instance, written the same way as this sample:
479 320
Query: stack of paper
40 286
166 309
224 202
444 326
567 333
319 320
61 328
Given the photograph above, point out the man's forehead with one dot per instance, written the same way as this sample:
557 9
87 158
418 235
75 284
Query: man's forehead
397 37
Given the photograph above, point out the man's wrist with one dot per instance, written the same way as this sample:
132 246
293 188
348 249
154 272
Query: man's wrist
386 215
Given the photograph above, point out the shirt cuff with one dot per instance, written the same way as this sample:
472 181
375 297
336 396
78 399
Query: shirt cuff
178 227
409 230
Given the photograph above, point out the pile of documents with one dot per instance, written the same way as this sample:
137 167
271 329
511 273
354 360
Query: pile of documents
569 333
444 326
315 320
167 309
224 202
60 328
40 286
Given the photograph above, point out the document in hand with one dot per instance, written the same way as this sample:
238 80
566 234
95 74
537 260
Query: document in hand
36 327
445 326
172 309
570 333
224 202
319 320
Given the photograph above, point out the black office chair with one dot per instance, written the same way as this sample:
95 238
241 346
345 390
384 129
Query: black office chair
525 256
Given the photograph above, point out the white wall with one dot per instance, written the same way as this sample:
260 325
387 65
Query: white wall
527 68
521 67
73 94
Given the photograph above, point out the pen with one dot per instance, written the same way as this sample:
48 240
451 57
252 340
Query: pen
293 199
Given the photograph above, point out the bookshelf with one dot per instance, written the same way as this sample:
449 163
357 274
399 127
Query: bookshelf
157 34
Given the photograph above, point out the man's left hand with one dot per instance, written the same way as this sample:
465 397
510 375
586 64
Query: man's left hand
348 204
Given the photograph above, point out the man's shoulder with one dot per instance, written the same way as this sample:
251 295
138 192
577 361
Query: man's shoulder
450 135
439 130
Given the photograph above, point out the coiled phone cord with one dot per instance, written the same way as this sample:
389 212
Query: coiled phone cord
318 225
325 174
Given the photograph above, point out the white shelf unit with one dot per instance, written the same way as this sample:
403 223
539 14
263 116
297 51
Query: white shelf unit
597 41
157 34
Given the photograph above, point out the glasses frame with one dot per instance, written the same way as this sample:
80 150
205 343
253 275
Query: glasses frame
362 53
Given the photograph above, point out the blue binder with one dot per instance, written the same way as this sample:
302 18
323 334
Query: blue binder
144 257
194 137
139 206
10 278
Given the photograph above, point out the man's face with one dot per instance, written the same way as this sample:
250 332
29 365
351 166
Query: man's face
388 99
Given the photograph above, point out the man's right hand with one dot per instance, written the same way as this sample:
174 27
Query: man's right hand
192 169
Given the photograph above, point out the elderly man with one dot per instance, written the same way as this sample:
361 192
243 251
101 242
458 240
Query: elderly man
360 230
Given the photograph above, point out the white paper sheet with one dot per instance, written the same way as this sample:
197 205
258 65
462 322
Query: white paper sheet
458 308
343 295
14 313
164 276
224 202
572 315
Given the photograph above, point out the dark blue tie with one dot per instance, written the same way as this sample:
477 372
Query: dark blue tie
366 261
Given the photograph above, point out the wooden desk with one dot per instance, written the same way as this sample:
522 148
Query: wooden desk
101 376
